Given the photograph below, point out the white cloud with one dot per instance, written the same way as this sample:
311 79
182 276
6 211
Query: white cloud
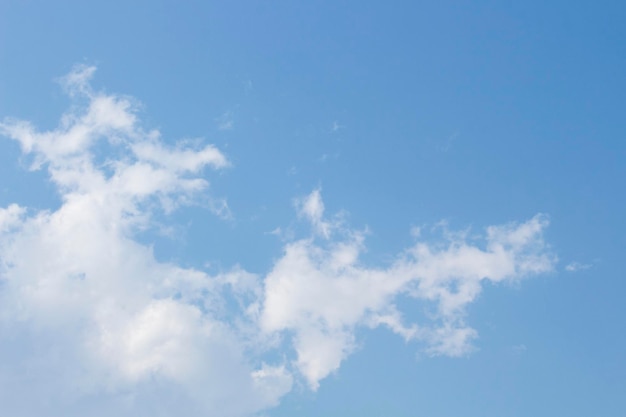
577 266
311 207
91 322
320 292
77 81
82 301
336 126
10 217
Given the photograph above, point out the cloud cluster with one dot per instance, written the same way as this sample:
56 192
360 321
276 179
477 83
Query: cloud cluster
91 323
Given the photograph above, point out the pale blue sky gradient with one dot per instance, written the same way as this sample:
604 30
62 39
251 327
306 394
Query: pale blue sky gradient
403 114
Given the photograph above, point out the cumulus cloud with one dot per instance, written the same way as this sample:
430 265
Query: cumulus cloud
84 304
320 292
91 323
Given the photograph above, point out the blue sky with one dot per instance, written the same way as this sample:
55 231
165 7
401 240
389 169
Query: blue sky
312 208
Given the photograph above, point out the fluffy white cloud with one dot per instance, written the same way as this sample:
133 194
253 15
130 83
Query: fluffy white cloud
321 292
85 303
92 324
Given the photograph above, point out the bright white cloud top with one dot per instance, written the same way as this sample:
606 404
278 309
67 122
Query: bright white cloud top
88 312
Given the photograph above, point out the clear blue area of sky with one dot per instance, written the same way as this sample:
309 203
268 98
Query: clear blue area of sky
404 113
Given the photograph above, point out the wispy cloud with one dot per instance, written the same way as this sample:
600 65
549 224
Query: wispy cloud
312 208
577 266
449 142
519 349
88 313
336 126
226 121
326 157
